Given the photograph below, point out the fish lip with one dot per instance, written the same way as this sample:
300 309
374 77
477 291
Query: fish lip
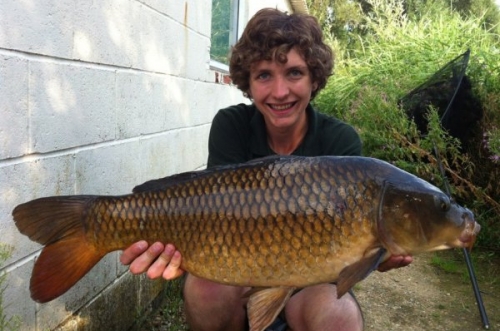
469 234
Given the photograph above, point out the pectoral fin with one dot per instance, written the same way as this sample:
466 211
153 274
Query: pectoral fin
264 305
358 271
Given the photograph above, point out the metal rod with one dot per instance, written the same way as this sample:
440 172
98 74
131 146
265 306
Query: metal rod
475 287
470 267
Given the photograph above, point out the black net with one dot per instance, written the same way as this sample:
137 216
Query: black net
450 92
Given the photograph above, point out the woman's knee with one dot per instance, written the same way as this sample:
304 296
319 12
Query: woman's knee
318 308
211 306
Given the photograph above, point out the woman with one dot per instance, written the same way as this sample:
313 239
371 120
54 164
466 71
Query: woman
280 63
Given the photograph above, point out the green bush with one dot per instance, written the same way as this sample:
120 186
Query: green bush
400 53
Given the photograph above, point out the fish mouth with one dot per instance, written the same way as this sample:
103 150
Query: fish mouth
466 239
469 234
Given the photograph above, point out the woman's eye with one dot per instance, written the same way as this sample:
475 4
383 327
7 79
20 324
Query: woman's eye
263 76
296 73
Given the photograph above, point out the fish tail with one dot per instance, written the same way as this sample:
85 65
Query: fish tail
57 223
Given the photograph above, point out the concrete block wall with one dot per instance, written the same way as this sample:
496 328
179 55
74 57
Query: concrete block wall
95 98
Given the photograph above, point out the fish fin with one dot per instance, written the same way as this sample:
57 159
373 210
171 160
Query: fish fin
47 220
57 223
60 266
165 182
177 179
252 291
264 305
358 271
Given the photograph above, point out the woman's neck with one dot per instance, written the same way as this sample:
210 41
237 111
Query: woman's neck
286 141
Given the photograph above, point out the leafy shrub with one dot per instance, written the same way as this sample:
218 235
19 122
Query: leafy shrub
399 54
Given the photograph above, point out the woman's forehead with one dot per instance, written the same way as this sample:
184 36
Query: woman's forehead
291 59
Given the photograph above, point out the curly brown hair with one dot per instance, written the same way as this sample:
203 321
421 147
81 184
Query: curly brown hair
270 35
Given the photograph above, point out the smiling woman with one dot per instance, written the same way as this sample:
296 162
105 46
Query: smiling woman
280 62
282 92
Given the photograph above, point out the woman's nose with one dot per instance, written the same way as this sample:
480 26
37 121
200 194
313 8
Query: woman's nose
280 88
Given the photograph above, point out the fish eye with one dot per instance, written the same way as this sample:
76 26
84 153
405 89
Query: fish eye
443 203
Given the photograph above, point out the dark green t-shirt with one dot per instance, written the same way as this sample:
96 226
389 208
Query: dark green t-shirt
238 134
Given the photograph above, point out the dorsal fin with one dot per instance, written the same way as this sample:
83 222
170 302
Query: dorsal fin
162 183
165 182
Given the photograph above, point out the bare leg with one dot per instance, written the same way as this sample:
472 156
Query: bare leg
317 308
213 307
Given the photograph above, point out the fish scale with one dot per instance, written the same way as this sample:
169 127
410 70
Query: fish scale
258 230
278 223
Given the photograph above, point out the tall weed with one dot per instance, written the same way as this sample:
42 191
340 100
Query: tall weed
399 54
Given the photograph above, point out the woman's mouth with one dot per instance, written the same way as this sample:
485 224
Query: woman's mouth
281 107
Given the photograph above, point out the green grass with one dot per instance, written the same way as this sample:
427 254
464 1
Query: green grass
445 264
6 323
169 316
485 264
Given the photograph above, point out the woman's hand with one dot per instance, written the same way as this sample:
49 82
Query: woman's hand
395 261
157 260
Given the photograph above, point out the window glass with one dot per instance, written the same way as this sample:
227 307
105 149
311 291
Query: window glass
224 29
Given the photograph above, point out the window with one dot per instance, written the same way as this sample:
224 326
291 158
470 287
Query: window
224 31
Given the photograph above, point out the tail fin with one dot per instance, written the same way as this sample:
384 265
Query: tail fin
57 222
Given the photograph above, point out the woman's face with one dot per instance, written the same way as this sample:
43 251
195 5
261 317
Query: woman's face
282 92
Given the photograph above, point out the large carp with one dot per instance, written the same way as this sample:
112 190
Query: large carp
278 223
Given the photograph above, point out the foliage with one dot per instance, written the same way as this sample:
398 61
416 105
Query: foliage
487 9
347 20
220 33
401 52
342 20
12 323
